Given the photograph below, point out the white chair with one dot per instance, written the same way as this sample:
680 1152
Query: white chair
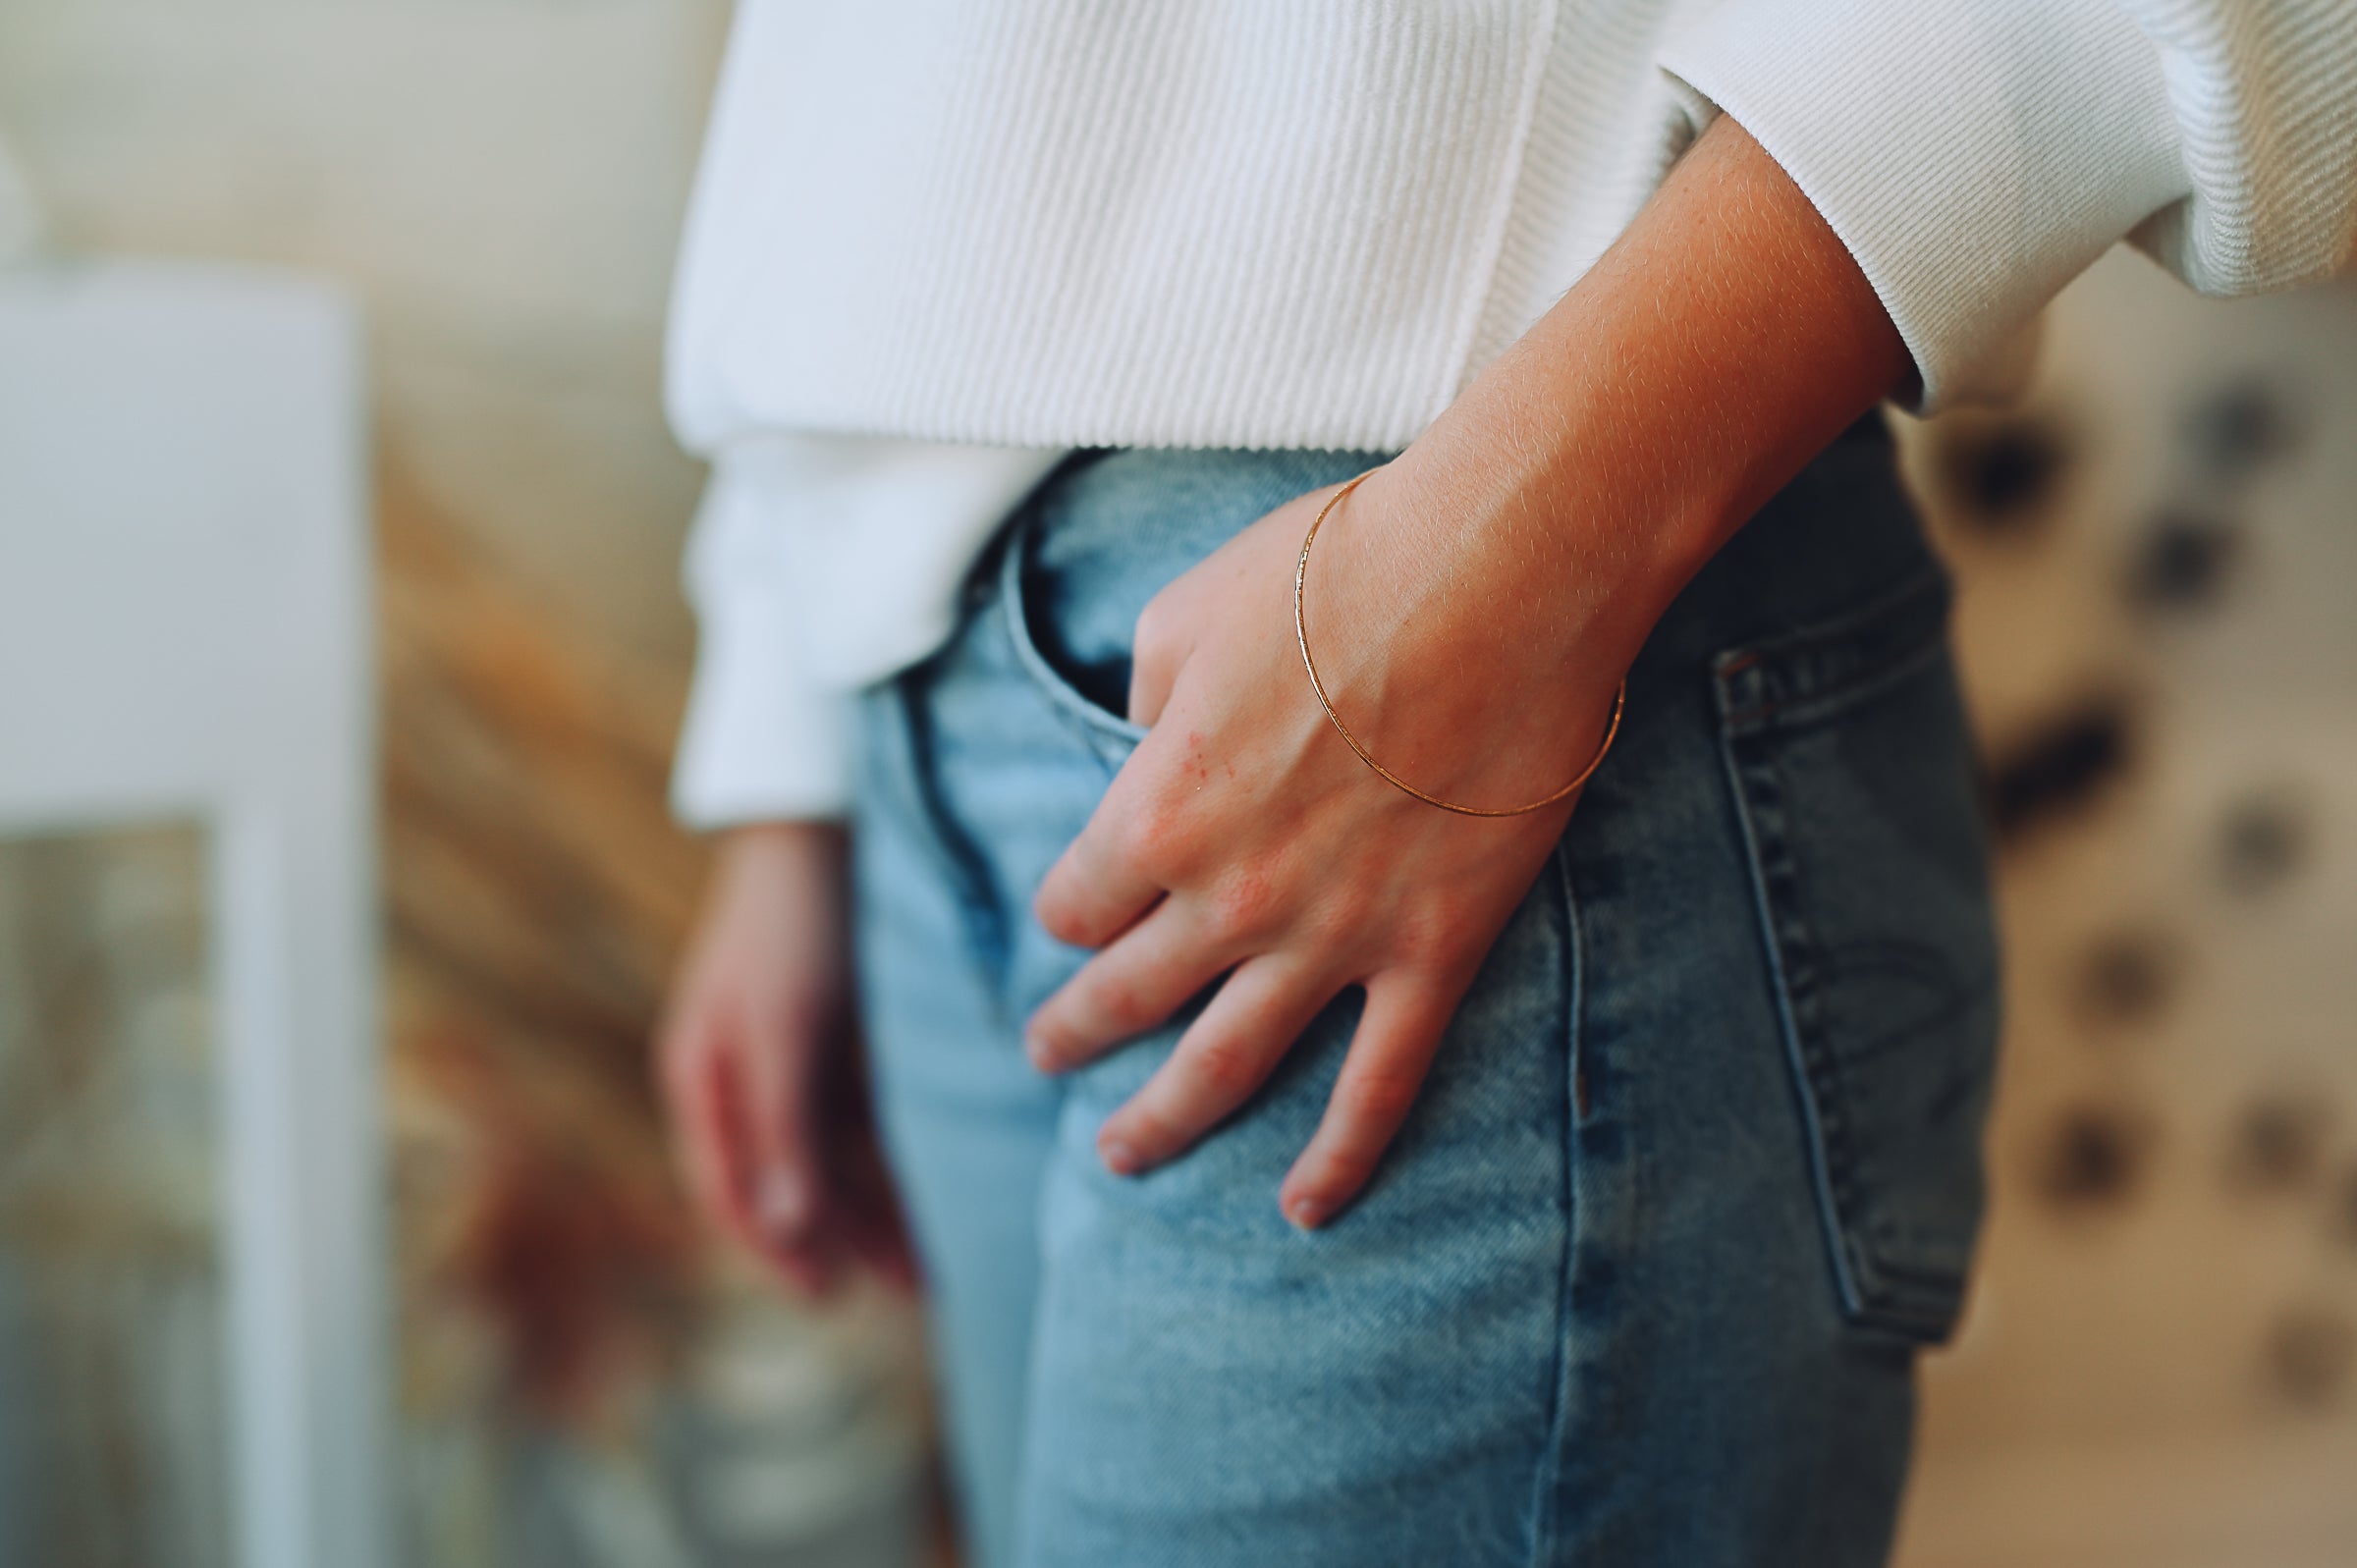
185 634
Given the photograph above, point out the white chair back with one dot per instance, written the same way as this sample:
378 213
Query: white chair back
184 637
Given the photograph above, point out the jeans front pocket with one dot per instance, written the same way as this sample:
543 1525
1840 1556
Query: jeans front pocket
1111 734
1851 766
1108 531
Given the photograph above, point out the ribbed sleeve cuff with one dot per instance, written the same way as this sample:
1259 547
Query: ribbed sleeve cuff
1973 155
763 741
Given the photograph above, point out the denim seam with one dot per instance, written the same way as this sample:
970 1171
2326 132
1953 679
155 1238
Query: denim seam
990 939
1837 699
1548 1479
1812 1115
1752 670
1840 628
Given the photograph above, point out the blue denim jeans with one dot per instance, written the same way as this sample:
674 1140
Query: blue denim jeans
1695 1176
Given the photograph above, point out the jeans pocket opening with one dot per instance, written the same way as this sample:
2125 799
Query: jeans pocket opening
1113 736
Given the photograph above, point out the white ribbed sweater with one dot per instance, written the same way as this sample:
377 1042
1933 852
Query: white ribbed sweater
937 243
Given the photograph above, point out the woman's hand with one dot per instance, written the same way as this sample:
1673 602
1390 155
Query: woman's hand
1243 838
761 1070
1472 605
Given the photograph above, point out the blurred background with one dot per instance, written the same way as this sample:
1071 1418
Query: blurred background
333 1207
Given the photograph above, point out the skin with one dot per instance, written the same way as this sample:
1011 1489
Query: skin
1473 605
761 1069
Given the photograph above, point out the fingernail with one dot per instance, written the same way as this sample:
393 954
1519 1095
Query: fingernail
784 1202
1119 1156
1306 1212
1037 1049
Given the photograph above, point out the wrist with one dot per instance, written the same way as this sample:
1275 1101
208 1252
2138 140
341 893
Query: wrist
1457 640
1599 542
1721 342
814 850
787 834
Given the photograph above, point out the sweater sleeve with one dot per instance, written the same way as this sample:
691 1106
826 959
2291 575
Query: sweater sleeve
1976 155
817 565
765 739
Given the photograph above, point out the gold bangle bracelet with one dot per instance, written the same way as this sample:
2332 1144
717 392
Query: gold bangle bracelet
1301 633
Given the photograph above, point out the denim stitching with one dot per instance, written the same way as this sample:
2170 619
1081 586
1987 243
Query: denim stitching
1547 1482
1748 682
990 936
1824 1179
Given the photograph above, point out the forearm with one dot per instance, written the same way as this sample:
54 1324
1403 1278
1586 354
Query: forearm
1721 342
1474 602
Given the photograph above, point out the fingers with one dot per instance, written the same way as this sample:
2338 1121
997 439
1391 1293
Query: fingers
1219 1061
1155 658
742 1138
1097 890
1380 1077
1147 974
786 1192
699 1116
1149 691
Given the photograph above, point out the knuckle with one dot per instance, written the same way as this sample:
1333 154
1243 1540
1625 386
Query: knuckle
1150 1130
1430 931
1159 834
1224 1068
1380 1094
1244 904
1341 916
1064 923
1342 1171
1155 625
1053 910
1113 1008
1064 913
1047 1026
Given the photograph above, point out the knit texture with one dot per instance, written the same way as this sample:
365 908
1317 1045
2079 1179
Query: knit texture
928 227
2024 137
2264 96
1052 222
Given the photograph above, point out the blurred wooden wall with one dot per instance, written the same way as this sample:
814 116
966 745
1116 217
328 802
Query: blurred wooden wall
2158 559
503 184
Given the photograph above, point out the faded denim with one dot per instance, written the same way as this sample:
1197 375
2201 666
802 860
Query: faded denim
1697 1170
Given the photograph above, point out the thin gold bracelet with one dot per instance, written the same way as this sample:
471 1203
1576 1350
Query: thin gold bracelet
1301 632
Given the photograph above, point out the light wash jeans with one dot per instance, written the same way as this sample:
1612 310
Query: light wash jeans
1696 1172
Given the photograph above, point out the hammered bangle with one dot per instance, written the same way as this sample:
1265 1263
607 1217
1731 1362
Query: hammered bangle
1301 633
